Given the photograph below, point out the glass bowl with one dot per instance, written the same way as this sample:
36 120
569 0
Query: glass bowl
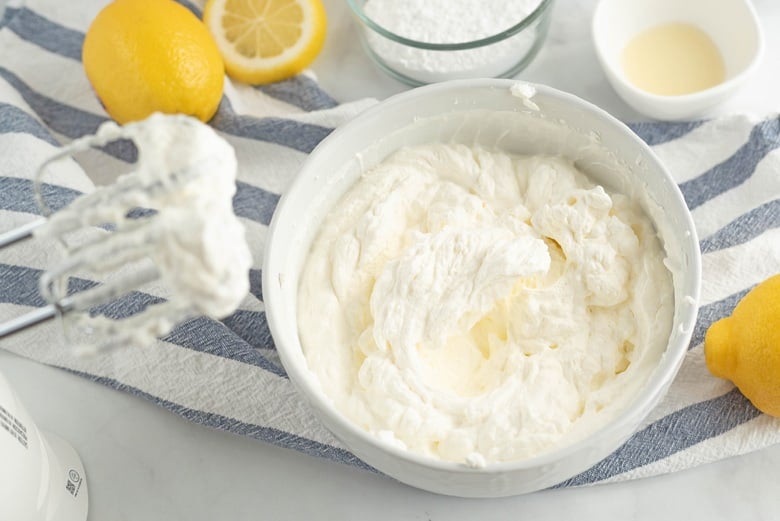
501 55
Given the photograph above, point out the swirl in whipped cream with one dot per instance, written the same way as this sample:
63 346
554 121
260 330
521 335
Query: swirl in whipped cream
479 307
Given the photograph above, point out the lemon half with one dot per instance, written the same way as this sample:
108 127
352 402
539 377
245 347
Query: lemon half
263 41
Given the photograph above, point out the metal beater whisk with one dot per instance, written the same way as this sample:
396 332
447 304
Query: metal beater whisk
172 216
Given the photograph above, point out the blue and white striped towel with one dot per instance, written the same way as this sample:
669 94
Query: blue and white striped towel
227 374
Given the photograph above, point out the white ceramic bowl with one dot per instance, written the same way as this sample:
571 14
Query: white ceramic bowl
731 24
484 112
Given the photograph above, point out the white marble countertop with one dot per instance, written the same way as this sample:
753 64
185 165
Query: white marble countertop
144 463
567 62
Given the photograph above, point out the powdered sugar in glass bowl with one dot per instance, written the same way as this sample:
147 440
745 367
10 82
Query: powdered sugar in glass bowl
428 41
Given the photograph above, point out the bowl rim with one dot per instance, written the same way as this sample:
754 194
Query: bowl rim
357 10
680 100
308 385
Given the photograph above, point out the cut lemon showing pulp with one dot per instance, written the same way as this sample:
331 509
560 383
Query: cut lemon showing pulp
262 41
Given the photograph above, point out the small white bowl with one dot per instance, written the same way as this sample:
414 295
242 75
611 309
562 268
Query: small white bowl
485 112
731 24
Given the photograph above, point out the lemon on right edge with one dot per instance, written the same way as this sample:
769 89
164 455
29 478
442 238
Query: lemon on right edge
745 347
263 41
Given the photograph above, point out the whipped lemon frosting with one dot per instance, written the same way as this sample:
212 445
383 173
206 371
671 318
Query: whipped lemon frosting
478 307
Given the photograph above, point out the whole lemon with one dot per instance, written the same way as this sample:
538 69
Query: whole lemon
745 347
145 56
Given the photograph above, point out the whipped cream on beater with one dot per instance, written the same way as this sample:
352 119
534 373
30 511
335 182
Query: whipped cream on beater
185 174
479 307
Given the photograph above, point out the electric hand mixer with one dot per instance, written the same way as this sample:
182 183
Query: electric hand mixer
169 220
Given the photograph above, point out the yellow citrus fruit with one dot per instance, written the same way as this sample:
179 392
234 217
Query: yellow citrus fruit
264 41
745 347
145 56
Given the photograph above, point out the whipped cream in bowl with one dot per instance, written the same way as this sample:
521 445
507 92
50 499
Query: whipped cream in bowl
482 287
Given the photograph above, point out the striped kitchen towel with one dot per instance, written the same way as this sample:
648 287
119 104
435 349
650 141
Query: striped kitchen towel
227 374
